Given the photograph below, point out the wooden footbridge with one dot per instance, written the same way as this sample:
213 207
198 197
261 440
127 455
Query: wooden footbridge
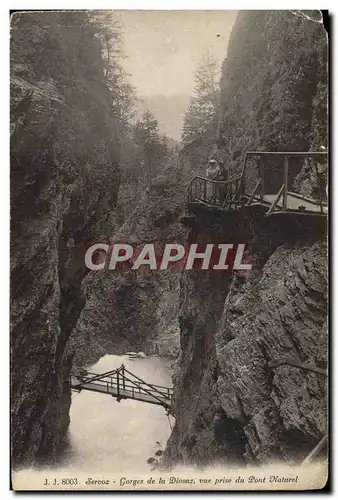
122 384
270 188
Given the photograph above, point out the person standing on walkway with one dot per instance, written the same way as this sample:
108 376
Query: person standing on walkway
222 176
212 173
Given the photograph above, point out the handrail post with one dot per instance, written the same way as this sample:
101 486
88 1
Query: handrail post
204 190
318 183
262 165
118 382
226 195
286 172
123 379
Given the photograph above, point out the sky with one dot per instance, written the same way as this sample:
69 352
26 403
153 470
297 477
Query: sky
164 47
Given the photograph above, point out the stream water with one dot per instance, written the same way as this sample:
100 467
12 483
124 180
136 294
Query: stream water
111 440
110 436
122 435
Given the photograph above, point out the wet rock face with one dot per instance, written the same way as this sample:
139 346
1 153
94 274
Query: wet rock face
39 201
280 317
40 395
51 219
195 402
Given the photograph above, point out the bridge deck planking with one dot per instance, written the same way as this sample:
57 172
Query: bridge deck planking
294 203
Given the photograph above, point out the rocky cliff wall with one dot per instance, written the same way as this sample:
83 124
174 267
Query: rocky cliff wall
130 310
58 167
231 405
273 85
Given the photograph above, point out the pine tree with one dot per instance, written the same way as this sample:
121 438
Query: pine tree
122 94
153 145
203 108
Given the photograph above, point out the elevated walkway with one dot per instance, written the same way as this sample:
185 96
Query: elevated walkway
269 185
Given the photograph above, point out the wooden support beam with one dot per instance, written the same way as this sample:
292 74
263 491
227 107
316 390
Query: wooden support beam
317 178
315 450
289 153
118 382
99 376
297 364
286 173
262 166
254 192
273 206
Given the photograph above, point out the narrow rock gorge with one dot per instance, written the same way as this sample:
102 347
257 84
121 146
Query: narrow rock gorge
224 332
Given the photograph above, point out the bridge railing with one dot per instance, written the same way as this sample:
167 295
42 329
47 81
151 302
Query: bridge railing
146 386
122 381
215 193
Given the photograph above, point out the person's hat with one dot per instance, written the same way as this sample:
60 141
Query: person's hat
212 161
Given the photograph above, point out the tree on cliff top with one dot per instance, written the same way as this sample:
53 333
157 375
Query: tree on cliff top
122 94
202 112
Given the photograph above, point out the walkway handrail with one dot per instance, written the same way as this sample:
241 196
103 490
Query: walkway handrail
117 379
286 153
232 194
149 385
124 383
215 181
147 391
99 376
155 386
274 363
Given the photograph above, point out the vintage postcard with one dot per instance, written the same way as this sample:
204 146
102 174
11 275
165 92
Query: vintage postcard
169 205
